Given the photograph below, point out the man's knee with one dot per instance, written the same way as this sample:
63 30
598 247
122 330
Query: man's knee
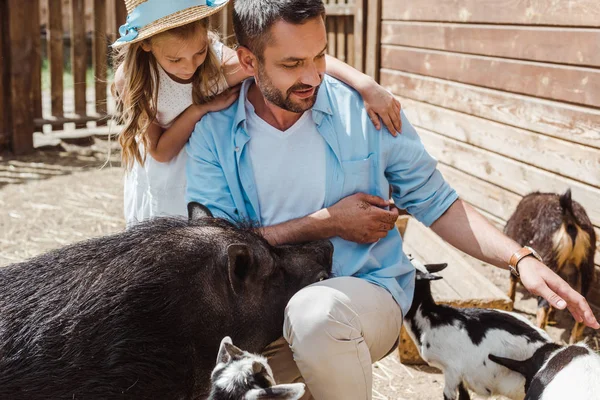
317 316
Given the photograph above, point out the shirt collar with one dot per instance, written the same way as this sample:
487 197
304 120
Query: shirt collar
322 105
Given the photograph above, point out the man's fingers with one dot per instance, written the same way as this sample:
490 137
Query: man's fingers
578 305
374 200
374 119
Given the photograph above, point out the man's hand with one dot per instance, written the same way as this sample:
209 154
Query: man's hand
542 281
360 218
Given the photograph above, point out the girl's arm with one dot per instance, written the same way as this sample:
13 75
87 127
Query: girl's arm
166 144
379 103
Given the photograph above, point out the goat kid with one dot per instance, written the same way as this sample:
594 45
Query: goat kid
557 372
242 375
458 341
559 229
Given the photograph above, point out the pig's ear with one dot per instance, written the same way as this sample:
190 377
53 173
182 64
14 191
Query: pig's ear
223 356
290 391
239 264
197 211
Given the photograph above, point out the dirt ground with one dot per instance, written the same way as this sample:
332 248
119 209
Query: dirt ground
71 192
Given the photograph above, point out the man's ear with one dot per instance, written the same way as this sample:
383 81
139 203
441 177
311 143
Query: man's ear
248 61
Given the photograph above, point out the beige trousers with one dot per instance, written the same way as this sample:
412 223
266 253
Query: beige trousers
333 331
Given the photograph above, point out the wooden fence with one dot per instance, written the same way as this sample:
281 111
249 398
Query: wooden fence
506 94
350 38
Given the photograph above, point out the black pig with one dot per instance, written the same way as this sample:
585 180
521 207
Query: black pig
140 314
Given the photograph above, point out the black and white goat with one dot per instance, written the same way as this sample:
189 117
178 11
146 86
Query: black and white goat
240 375
558 372
458 341
560 230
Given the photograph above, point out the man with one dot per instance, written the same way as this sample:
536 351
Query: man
298 154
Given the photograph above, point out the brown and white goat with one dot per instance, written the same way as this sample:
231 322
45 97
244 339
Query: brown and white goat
559 229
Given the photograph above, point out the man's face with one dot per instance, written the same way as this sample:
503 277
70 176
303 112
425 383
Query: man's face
293 64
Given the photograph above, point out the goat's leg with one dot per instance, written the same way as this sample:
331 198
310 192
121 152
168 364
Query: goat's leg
577 330
452 383
542 313
463 394
512 289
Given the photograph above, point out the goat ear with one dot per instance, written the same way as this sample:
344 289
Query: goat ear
433 268
239 265
223 356
290 391
514 365
197 211
233 351
257 367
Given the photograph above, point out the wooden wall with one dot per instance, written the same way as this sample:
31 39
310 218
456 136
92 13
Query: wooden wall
505 93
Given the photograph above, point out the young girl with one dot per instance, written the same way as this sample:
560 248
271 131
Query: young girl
171 72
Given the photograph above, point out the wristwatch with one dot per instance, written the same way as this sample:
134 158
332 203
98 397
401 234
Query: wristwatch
518 256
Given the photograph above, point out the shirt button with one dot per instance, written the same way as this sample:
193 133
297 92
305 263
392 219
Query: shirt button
237 148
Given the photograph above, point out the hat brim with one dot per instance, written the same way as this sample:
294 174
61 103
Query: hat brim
175 20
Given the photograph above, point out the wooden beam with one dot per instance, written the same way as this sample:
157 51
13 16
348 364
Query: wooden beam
79 57
373 49
55 56
564 121
339 9
564 83
521 12
544 44
20 63
359 35
36 76
100 47
4 82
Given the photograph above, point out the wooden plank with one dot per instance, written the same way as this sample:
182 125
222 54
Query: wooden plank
545 44
4 82
359 42
520 12
36 76
495 200
120 13
341 39
373 47
100 58
568 159
565 83
55 56
331 36
350 60
509 174
462 286
573 123
20 65
79 57
339 10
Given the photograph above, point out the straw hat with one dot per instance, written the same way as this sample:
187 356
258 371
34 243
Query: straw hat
169 14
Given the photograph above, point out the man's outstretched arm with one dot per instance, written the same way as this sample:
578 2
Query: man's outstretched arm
467 230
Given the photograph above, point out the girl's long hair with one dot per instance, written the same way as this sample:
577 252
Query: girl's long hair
137 100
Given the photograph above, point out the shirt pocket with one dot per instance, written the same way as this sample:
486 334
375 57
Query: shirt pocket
358 175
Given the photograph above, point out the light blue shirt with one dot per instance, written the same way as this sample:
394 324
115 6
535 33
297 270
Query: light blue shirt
359 159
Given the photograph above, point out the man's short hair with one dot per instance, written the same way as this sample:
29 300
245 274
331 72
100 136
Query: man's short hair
252 19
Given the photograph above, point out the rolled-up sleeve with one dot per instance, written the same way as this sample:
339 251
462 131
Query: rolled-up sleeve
206 180
417 184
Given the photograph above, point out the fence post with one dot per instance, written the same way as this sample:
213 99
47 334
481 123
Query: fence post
17 53
372 61
79 58
55 34
359 36
100 59
4 97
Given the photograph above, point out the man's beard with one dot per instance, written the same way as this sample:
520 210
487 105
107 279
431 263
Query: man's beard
277 97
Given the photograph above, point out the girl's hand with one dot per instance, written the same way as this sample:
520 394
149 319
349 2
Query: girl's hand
380 103
224 99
